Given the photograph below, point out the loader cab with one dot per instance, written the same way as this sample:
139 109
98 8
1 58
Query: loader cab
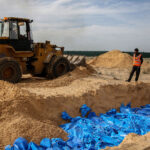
17 33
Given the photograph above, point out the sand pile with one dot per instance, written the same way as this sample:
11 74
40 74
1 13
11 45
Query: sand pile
82 71
134 142
146 66
29 128
117 59
65 80
113 59
79 73
20 115
8 91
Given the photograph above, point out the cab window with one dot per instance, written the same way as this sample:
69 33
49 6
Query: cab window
22 30
14 30
4 29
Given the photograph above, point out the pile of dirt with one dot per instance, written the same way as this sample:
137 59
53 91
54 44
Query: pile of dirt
29 128
21 115
134 142
79 73
146 66
8 90
82 71
113 59
117 59
65 80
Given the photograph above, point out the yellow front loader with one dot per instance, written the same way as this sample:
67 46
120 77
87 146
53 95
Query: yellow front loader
20 55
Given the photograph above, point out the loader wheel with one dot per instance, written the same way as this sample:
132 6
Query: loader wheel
59 67
9 70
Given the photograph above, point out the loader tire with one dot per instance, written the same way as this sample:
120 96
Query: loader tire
58 67
10 70
48 70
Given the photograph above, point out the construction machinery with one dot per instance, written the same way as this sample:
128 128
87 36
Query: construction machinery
20 55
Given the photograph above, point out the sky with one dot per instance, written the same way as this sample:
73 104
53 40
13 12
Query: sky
86 24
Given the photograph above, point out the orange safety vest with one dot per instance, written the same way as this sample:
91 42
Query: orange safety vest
137 60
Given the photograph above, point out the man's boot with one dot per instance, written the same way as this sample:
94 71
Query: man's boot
127 80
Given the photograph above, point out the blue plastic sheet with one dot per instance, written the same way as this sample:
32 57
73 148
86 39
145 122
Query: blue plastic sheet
94 132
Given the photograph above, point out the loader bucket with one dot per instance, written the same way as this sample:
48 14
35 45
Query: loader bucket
76 60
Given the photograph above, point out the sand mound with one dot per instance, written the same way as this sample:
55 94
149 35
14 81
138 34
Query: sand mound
117 59
21 114
29 128
65 80
113 59
79 73
8 90
146 66
134 142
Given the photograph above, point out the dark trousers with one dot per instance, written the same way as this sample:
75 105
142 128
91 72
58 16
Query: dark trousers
137 69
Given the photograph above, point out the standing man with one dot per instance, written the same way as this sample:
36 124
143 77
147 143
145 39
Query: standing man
137 62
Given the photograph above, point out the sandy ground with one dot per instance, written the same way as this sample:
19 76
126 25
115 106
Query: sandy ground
32 108
134 142
68 85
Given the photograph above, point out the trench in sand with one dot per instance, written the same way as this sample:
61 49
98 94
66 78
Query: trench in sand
33 117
